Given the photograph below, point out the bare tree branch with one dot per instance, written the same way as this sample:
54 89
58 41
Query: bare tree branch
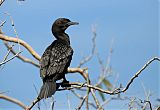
139 72
79 70
96 100
81 103
17 102
1 2
145 104
116 91
33 103
21 42
119 90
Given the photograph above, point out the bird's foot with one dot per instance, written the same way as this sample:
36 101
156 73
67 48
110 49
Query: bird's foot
65 83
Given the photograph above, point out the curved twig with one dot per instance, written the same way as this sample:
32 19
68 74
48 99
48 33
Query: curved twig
139 72
118 90
23 43
17 102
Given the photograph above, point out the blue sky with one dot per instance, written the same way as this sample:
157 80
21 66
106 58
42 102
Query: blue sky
132 24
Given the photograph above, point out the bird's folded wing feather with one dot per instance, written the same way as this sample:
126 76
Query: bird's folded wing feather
56 59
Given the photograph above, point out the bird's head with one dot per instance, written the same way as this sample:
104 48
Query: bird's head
61 24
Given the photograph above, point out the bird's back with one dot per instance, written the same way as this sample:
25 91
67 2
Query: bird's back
55 60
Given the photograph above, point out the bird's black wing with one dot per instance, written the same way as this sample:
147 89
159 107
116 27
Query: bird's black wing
56 59
45 62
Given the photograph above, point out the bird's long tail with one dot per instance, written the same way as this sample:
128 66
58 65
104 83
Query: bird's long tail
47 90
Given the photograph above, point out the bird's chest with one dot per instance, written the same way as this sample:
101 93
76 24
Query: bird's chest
60 51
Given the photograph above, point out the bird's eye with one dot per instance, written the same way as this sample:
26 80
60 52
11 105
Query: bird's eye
58 22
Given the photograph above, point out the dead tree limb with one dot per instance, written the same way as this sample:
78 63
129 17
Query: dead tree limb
139 72
21 42
15 101
70 70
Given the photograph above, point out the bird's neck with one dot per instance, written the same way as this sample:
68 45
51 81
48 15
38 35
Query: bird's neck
63 37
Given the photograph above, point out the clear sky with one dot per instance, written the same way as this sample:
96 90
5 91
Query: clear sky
133 24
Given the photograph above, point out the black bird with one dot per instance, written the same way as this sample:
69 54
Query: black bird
56 58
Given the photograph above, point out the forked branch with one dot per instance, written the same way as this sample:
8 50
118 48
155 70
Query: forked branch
81 71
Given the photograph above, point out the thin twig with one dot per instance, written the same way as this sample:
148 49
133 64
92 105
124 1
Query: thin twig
33 103
139 72
2 23
3 62
24 59
80 97
147 95
88 91
52 103
104 68
150 105
89 57
113 98
96 100
9 50
14 29
37 94
81 103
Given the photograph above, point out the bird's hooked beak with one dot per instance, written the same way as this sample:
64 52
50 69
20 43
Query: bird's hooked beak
71 23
